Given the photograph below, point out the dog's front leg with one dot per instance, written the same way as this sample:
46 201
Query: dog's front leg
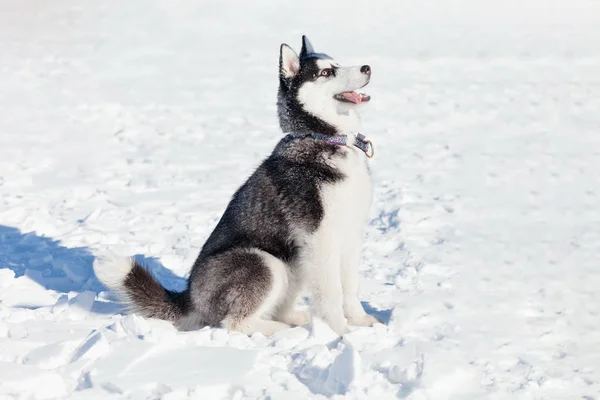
322 263
353 309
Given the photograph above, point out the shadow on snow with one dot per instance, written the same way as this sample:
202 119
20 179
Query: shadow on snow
63 269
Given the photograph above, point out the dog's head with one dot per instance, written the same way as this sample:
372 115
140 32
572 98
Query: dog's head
316 94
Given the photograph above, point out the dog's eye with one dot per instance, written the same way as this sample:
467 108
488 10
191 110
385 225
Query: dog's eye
326 72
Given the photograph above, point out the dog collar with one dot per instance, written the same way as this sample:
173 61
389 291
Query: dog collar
360 141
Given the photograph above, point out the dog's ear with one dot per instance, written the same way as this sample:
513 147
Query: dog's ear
289 63
307 47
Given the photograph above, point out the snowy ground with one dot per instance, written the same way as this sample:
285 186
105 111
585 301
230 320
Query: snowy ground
128 124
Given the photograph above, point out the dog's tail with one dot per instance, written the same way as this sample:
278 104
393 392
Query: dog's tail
139 290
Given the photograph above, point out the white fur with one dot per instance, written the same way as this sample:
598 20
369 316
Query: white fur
357 187
279 285
317 97
112 270
330 256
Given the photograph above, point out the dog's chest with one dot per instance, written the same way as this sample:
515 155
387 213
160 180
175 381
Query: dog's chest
348 201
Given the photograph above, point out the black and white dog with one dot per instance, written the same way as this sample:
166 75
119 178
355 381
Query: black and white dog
296 223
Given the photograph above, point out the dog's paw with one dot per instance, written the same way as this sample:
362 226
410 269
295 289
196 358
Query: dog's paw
364 320
340 328
297 318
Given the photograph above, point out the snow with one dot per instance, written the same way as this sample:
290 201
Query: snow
126 127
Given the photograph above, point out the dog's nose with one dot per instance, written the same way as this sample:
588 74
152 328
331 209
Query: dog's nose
365 69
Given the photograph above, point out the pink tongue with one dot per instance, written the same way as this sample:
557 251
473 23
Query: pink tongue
352 96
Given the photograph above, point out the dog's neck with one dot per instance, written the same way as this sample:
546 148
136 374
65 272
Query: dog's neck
338 121
346 120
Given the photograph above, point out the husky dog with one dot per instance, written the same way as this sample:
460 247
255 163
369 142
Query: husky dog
296 223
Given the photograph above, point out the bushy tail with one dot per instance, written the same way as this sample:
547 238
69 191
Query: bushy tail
138 289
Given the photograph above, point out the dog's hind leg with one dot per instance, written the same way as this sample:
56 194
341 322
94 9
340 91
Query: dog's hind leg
251 325
286 311
248 285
